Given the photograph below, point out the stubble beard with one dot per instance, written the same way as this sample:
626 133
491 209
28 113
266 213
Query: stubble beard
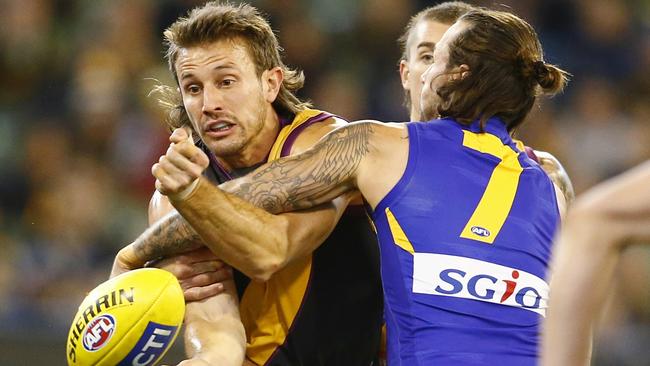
245 135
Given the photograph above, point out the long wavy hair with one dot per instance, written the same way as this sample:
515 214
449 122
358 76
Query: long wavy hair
216 21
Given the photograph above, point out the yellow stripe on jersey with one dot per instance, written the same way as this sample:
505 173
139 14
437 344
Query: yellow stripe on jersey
268 309
494 207
300 118
398 234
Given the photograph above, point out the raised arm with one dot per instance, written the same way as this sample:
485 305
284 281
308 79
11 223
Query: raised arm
600 223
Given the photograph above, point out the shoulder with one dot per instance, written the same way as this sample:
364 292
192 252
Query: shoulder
375 129
310 135
388 139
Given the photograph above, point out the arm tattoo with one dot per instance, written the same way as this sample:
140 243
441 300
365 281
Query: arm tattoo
168 236
318 175
306 180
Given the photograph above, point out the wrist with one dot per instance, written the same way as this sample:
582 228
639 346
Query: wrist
186 192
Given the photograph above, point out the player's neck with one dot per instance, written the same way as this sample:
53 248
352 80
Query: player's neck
258 148
415 115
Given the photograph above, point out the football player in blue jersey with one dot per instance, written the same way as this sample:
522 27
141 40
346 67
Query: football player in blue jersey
465 219
603 221
422 33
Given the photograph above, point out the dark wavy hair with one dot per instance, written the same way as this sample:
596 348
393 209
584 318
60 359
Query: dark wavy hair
507 71
216 21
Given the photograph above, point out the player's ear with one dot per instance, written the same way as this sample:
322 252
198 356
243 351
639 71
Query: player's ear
463 71
460 72
271 83
404 74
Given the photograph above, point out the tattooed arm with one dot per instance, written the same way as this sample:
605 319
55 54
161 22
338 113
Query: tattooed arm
166 237
316 176
213 331
250 239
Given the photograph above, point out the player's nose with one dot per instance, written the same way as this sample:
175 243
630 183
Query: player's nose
425 74
212 99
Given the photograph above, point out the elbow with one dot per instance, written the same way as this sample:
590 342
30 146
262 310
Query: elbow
275 256
263 270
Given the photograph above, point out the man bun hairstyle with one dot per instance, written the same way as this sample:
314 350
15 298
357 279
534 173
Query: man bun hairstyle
506 74
549 77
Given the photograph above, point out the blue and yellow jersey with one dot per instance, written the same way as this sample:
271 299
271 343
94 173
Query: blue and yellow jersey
465 239
322 309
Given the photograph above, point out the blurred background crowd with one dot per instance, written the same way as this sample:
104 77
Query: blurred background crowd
79 132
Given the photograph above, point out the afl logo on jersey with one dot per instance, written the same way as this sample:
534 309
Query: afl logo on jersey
480 231
98 332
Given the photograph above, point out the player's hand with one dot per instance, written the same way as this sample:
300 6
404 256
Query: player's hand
125 260
199 272
177 172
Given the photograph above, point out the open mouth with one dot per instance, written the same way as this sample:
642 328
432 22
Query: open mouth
219 128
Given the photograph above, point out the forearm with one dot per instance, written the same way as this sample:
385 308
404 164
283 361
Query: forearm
251 240
168 236
242 234
213 330
583 270
603 221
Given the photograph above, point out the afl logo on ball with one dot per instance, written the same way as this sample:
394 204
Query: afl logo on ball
98 332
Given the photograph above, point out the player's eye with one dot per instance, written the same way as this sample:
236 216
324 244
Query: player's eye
427 58
227 82
192 89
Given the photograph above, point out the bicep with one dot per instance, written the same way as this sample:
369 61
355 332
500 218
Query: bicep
316 176
619 209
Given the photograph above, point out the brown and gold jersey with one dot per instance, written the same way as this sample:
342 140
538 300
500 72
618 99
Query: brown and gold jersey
325 308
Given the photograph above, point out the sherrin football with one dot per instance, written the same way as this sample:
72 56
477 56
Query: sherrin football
131 319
